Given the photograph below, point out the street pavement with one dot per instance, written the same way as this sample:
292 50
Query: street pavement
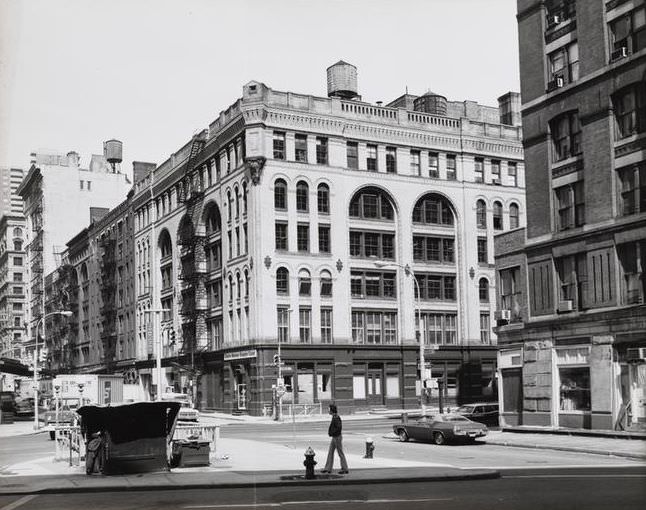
242 462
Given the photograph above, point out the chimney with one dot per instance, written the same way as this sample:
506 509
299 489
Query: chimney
141 169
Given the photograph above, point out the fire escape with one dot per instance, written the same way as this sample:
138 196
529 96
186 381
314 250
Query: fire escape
191 242
109 305
68 301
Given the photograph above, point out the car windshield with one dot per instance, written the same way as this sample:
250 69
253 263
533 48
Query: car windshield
452 417
464 409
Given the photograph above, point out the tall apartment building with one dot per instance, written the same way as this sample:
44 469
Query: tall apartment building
58 196
572 333
12 262
299 219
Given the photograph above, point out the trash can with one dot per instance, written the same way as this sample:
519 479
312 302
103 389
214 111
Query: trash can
190 453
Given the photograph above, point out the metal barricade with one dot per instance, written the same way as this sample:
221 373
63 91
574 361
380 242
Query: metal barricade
294 410
70 445
210 433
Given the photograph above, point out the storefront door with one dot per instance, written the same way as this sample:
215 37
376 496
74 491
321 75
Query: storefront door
375 387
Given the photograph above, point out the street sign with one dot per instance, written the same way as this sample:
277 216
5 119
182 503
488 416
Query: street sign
280 390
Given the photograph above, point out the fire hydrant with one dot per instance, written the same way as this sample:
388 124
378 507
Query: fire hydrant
309 463
370 448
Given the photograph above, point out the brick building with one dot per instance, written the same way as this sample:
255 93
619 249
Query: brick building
294 218
572 319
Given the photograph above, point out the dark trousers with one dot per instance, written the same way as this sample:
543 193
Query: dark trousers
336 443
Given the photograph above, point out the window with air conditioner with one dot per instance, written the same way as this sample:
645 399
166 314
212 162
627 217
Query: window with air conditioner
563 66
628 33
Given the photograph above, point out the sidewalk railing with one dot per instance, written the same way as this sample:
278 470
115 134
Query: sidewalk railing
70 445
210 433
296 410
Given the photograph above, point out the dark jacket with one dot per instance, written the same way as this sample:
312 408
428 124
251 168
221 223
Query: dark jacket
335 426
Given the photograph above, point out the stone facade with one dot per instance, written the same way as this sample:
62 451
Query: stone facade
262 227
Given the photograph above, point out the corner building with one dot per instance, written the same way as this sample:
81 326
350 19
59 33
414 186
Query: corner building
572 334
298 219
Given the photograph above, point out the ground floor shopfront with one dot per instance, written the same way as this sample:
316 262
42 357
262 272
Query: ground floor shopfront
555 375
354 377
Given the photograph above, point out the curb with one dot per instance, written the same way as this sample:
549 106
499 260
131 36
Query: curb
640 456
476 474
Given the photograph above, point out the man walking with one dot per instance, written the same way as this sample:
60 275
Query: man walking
336 443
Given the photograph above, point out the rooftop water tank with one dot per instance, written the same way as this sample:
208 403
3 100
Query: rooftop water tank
113 152
342 80
431 103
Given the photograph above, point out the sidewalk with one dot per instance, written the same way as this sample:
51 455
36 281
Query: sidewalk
236 463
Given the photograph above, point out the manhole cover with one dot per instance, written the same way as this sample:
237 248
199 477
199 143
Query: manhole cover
316 477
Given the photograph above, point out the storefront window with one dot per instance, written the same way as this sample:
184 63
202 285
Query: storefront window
392 386
574 388
359 386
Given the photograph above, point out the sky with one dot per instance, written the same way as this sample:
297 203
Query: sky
151 73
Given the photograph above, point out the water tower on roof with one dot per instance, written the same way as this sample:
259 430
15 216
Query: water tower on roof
113 153
342 81
431 103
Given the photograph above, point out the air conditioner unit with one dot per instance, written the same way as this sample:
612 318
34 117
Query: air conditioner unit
556 83
566 306
619 53
502 315
636 354
496 181
554 20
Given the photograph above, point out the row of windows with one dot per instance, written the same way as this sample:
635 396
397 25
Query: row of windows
428 168
304 283
481 215
302 197
302 237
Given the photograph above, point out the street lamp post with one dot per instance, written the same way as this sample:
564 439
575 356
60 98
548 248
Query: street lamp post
65 313
422 363
280 385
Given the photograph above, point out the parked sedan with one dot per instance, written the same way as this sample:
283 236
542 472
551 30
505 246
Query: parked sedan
441 428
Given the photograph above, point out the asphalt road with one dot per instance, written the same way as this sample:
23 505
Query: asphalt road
553 489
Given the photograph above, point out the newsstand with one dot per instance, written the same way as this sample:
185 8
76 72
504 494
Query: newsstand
191 452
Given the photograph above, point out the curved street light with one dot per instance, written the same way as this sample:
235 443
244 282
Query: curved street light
422 362
65 313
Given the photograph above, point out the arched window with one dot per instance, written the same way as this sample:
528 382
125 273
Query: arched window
323 196
17 232
302 197
280 195
212 219
371 203
282 281
433 209
481 214
304 283
230 205
246 284
165 244
483 290
236 194
326 284
244 197
239 281
497 216
230 289
513 216
17 245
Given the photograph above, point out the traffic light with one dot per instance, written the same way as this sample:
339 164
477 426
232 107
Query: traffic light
276 360
42 355
171 337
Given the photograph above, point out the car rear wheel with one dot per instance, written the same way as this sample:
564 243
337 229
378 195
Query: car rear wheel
438 438
403 436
